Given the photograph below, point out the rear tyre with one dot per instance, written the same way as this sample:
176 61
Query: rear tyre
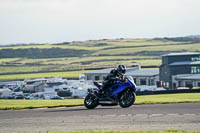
91 101
127 99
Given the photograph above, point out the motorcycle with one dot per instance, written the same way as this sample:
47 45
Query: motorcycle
122 93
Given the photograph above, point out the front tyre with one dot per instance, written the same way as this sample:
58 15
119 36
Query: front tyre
91 101
127 99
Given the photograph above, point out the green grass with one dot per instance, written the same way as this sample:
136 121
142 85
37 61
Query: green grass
91 45
30 104
70 74
57 61
144 42
18 69
73 63
45 46
4 60
145 52
149 99
149 62
169 48
168 98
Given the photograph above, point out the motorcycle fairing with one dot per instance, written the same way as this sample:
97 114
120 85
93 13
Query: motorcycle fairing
122 86
98 85
118 86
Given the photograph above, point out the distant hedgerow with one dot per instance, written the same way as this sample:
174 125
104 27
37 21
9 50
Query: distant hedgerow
41 53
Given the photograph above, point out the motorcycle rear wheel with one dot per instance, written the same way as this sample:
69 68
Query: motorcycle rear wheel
127 99
91 101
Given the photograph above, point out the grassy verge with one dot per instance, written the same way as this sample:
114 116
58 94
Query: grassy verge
168 98
150 99
31 104
70 74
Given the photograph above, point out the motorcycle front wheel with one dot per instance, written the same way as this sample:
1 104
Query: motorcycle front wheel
91 101
127 99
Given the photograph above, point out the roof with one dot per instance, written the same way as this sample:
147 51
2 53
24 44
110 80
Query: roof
147 72
185 63
182 53
188 77
106 71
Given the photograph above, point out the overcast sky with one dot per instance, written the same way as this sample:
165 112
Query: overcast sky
52 21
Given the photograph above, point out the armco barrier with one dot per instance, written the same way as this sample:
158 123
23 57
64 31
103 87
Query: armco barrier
138 93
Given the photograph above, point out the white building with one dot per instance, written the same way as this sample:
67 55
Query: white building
101 74
149 77
141 76
186 80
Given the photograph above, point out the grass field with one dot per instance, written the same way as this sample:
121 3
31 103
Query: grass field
149 99
90 45
169 48
71 60
101 54
62 64
70 74
23 104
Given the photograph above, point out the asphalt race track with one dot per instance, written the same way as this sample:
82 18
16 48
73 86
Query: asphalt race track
184 116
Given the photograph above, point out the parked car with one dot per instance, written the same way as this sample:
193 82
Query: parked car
11 97
19 96
56 97
27 95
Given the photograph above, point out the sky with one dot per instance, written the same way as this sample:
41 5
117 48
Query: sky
55 21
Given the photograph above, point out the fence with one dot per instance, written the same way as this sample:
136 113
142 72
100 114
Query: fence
167 92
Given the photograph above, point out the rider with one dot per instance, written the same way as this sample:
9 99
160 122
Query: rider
115 74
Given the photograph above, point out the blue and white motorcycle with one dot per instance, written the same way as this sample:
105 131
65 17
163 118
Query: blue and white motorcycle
122 92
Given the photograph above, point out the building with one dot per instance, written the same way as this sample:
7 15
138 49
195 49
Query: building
149 77
101 74
175 66
146 77
186 80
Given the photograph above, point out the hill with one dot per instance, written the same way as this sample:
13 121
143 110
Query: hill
92 54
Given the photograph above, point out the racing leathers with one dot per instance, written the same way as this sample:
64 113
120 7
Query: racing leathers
110 78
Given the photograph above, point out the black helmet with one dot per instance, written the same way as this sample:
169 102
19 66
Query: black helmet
121 69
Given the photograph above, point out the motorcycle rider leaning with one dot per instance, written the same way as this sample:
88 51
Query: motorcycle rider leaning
115 74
